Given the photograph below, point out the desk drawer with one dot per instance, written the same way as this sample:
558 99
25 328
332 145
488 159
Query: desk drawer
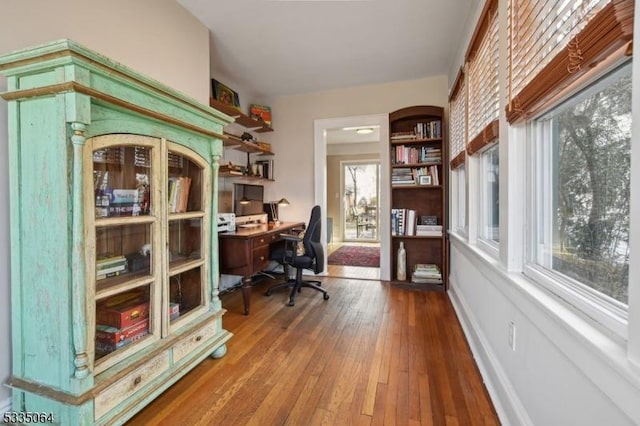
264 240
260 258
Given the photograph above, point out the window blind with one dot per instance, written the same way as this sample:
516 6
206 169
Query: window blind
457 122
482 58
553 42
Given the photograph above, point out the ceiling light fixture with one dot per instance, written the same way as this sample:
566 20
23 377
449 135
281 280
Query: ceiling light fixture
366 131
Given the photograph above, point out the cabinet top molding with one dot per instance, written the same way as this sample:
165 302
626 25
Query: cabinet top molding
65 66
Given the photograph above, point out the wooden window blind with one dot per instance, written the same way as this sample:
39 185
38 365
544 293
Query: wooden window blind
482 59
457 121
552 43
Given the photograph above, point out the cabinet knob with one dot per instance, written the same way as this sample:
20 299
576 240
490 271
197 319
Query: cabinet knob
262 240
261 257
198 338
137 380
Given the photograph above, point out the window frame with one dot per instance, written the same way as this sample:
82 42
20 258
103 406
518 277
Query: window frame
489 245
602 309
460 196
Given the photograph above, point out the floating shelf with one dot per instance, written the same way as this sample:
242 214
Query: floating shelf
241 118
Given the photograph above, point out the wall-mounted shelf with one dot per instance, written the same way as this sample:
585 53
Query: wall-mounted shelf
241 118
238 144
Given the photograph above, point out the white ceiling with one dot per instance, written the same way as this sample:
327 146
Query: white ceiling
284 47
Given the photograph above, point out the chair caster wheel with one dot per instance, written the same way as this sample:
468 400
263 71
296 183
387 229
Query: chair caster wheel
267 293
325 297
291 303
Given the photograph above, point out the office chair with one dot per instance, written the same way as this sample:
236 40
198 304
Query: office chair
310 256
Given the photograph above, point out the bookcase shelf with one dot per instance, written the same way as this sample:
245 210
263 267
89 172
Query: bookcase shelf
421 130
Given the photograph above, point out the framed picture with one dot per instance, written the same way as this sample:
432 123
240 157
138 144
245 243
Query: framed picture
424 180
260 113
224 94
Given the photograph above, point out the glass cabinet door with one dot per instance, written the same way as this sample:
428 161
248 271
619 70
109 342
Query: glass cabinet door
185 233
124 228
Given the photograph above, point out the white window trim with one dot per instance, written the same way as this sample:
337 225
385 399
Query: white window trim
459 186
491 247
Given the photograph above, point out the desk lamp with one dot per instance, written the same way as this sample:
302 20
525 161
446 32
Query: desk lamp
273 209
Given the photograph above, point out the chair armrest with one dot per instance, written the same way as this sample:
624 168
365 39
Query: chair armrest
290 237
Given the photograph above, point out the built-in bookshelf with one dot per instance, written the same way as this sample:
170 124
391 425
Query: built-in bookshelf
418 195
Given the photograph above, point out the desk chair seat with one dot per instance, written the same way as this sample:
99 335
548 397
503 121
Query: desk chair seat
310 256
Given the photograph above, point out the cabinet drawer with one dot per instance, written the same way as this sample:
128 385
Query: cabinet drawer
130 384
260 258
190 343
261 241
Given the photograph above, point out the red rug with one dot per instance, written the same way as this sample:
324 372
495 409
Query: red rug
356 256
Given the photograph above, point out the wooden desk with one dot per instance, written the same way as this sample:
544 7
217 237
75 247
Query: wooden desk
245 252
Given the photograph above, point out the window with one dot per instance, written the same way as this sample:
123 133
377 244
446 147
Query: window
489 199
461 196
581 179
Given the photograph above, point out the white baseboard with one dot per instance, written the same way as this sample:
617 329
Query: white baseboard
505 400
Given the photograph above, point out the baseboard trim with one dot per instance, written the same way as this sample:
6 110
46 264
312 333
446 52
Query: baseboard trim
505 400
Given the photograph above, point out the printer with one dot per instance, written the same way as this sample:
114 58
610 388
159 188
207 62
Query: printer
226 222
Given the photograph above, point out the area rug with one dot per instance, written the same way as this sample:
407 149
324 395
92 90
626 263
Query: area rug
356 256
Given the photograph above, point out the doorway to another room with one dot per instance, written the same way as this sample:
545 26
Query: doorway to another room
353 203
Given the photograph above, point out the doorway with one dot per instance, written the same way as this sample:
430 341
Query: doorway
323 196
360 194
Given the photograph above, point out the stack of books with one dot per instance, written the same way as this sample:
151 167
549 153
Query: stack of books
426 273
403 136
402 176
429 230
110 266
230 169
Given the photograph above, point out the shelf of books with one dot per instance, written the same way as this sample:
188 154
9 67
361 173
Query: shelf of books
418 196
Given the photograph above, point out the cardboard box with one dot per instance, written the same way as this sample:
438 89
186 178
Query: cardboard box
112 338
174 311
117 337
122 315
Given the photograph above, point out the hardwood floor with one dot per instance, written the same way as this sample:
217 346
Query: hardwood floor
372 354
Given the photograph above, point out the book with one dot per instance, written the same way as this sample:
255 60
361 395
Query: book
260 113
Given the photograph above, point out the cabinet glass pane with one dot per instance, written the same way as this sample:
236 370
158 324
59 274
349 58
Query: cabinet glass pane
121 181
184 190
185 291
184 240
121 320
122 252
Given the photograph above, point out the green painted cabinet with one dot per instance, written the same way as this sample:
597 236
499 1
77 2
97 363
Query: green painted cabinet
114 261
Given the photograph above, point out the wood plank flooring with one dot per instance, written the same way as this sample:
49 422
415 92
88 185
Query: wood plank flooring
373 354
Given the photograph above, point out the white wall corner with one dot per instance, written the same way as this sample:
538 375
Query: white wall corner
508 406
5 406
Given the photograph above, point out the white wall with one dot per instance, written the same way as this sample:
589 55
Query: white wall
294 116
157 38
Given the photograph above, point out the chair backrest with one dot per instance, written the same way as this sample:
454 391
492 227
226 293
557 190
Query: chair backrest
312 237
